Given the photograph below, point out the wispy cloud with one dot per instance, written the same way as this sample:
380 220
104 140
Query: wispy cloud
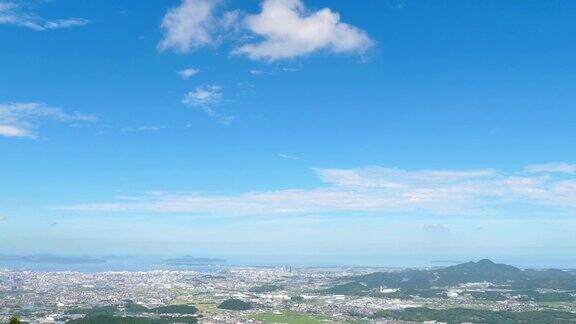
557 167
189 25
288 157
274 71
13 131
186 74
20 119
284 29
371 190
3 218
378 177
206 98
14 13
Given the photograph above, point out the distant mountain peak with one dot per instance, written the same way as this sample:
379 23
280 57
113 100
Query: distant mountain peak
484 270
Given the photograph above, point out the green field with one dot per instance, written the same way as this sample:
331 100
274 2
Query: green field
204 306
290 318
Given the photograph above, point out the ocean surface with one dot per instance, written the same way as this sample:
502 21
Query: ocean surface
114 265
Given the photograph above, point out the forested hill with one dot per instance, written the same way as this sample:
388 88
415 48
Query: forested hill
481 271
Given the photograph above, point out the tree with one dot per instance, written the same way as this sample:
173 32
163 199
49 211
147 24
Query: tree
14 320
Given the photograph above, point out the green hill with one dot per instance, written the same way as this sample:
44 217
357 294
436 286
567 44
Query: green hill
235 304
481 271
266 289
350 288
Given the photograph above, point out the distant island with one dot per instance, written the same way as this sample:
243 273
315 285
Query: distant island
51 258
190 260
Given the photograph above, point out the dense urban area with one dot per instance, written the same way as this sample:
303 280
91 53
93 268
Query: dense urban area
477 292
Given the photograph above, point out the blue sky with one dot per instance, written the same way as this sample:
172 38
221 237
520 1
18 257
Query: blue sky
368 132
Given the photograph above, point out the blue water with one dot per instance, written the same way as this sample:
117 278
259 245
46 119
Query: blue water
116 265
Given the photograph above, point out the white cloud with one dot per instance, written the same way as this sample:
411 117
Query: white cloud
12 13
206 98
189 26
3 218
20 119
288 29
13 131
288 157
186 74
378 177
557 167
372 190
65 23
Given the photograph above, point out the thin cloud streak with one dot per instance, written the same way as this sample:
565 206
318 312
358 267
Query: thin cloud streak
12 13
370 190
288 157
557 167
19 119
